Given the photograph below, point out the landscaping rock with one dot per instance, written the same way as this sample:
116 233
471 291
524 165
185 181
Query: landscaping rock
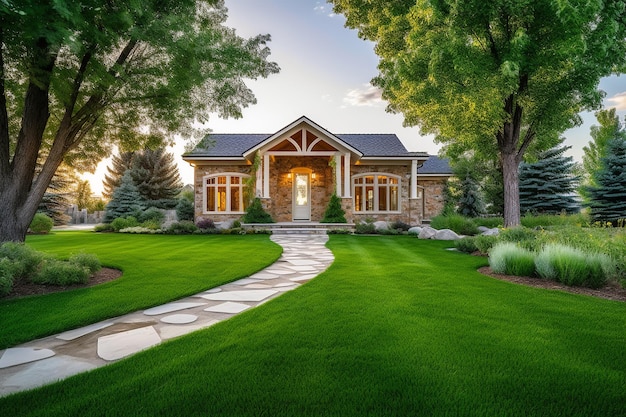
446 234
415 230
483 229
427 233
381 225
226 224
491 232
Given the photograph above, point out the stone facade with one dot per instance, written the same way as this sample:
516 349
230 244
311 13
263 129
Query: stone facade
280 204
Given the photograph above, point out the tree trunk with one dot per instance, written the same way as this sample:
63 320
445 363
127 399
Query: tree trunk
15 216
510 174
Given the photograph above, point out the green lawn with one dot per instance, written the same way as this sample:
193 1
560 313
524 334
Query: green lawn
157 269
395 327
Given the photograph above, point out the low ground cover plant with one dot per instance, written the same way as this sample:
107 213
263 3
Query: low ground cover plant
21 262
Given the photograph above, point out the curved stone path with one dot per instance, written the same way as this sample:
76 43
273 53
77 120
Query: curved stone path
57 357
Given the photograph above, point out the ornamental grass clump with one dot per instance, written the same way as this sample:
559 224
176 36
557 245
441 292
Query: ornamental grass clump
510 259
56 272
574 267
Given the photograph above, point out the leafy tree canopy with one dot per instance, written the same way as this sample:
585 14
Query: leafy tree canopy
496 76
77 76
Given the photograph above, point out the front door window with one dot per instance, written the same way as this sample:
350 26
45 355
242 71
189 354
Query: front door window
302 205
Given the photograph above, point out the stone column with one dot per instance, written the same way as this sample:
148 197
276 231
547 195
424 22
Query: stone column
259 180
266 176
338 174
414 178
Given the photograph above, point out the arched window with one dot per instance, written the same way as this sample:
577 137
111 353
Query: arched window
223 193
375 192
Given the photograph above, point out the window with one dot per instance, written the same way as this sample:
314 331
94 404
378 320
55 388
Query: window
224 193
376 192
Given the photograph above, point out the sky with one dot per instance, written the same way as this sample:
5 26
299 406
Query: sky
325 75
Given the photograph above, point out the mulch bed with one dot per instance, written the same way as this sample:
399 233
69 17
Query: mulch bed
23 288
611 291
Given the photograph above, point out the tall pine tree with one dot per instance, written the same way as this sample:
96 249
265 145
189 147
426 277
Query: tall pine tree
608 198
548 185
154 173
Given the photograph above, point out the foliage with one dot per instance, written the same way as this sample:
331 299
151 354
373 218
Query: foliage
574 267
185 210
142 230
608 129
123 223
120 163
470 202
508 258
459 224
152 214
400 225
478 75
59 195
6 276
549 185
126 200
41 224
334 212
205 224
25 259
54 272
86 260
607 199
365 228
184 227
81 77
489 222
466 244
256 213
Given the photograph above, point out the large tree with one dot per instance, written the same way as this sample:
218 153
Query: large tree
78 76
497 76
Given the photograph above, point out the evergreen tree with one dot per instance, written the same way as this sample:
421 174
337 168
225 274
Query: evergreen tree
470 201
126 200
185 210
58 196
548 185
156 176
119 165
609 127
608 198
334 212
256 213
154 173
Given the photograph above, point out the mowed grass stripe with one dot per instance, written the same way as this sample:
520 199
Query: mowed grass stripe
156 269
395 327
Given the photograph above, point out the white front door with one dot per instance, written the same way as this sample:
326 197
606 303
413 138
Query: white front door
301 197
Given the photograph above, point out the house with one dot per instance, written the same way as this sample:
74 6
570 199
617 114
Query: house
295 171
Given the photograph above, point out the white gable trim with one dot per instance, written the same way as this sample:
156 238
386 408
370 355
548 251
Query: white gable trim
307 151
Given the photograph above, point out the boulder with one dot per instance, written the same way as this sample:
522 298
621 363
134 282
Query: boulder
381 225
446 234
482 229
226 224
427 233
415 230
491 232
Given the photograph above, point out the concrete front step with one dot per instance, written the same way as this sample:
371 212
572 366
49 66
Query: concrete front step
299 227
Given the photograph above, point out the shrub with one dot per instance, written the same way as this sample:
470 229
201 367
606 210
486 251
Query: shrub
366 228
524 237
550 220
152 225
485 243
185 210
54 272
398 225
123 223
459 224
140 230
152 215
86 260
205 224
185 227
334 212
467 244
41 224
103 227
508 258
256 213
7 272
573 267
25 259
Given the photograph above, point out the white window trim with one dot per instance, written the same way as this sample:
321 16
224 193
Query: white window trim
376 193
242 185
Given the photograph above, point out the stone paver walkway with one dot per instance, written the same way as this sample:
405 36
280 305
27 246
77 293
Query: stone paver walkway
57 357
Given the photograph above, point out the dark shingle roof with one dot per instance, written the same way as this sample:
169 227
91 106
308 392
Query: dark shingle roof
235 145
435 165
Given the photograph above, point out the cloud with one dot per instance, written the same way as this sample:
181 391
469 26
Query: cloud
366 96
324 8
618 101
